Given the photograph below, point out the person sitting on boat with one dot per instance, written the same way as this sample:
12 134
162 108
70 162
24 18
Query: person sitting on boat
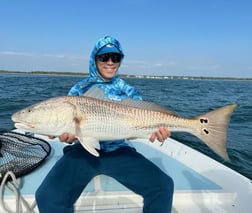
70 175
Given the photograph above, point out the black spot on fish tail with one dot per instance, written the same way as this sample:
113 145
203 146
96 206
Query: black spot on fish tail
213 129
206 131
204 120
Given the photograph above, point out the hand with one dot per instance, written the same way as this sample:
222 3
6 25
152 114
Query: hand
51 136
65 137
161 134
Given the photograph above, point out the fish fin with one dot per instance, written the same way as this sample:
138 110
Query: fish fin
146 105
91 145
96 92
213 129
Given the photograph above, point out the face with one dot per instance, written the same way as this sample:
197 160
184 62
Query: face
107 65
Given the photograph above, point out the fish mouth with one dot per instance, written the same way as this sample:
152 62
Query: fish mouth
20 125
15 119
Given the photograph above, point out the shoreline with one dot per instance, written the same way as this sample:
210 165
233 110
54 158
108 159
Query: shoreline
124 75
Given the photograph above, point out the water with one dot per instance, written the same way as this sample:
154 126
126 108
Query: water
186 97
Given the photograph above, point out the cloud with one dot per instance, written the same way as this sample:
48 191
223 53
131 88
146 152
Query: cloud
26 61
28 54
11 53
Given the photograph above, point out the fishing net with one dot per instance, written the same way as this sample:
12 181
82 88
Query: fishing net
20 153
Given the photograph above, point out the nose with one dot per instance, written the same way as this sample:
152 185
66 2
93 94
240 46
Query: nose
110 61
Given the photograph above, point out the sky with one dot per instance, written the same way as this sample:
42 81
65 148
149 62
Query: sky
159 37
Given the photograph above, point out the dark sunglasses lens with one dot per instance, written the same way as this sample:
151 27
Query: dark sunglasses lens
103 57
116 58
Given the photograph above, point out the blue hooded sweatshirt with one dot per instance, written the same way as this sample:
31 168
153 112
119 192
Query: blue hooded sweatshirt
116 89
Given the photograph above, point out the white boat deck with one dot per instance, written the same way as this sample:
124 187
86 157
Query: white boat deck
201 184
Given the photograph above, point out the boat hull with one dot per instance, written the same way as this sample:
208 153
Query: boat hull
201 183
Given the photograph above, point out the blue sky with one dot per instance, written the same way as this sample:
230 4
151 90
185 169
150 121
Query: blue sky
160 37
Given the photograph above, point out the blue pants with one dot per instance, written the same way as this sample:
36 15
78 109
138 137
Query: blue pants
70 175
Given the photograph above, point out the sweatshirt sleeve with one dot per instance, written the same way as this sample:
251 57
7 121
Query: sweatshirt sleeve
79 88
130 91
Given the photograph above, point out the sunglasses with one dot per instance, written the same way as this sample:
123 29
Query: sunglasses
115 57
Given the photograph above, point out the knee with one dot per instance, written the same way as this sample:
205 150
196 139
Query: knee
162 186
41 196
49 201
166 192
167 185
160 195
47 195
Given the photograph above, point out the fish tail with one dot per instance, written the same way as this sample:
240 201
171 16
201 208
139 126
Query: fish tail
213 129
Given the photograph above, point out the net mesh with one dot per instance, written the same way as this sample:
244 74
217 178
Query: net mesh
21 153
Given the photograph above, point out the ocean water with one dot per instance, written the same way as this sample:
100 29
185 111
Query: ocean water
186 97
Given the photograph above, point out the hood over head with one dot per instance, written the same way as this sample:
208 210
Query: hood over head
115 89
109 48
103 45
